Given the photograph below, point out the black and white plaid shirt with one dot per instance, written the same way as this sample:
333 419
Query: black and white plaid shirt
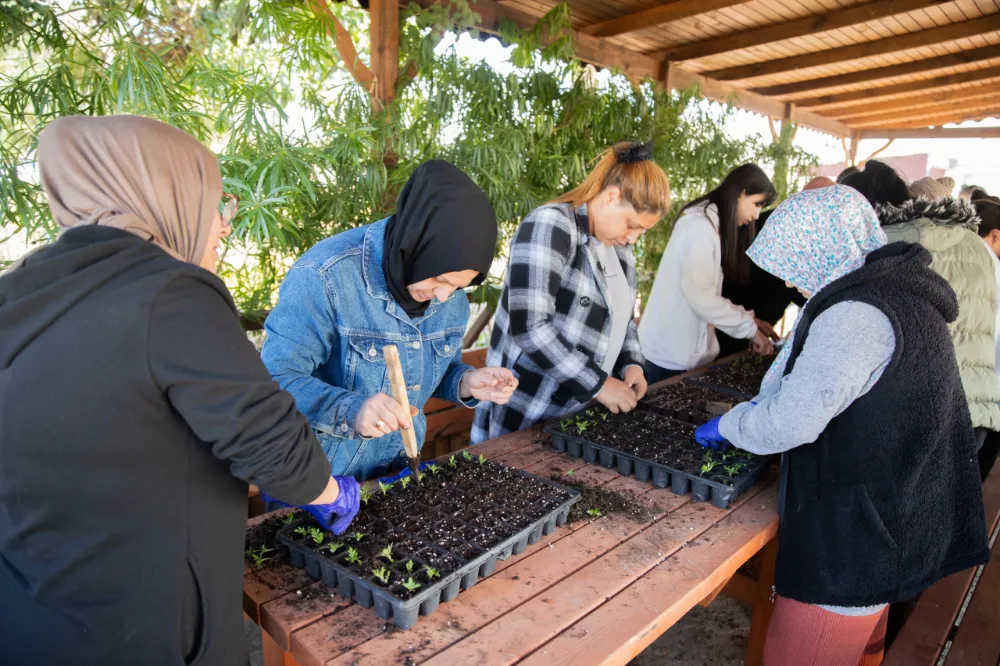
552 326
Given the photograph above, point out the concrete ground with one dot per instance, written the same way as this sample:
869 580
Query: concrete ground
713 636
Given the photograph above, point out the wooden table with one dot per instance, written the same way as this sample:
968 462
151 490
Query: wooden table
592 592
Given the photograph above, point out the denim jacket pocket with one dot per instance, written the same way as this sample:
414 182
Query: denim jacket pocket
366 365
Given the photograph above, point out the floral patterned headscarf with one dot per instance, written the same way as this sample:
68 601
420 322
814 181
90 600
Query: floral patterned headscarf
813 239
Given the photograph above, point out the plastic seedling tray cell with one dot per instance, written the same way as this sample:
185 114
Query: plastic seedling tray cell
473 513
688 404
658 450
740 378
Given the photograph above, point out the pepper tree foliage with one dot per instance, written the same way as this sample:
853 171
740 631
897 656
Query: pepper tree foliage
299 139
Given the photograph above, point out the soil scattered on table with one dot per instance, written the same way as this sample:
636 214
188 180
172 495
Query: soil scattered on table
606 501
308 596
262 540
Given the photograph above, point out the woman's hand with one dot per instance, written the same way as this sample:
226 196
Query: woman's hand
635 378
762 344
381 415
488 384
617 396
768 330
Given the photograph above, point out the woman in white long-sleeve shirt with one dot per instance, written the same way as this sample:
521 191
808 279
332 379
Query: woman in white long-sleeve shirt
686 306
989 230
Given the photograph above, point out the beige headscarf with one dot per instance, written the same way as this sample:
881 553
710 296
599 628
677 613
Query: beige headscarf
929 189
132 173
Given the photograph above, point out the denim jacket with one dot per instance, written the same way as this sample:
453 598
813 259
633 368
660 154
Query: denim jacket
324 346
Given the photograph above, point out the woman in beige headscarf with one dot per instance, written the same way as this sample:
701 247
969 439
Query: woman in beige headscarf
133 412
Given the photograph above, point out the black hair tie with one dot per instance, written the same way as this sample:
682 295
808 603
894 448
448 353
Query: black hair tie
636 152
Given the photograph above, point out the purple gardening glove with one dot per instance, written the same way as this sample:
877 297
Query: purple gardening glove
336 516
708 435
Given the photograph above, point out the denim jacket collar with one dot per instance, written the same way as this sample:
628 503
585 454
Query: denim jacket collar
373 249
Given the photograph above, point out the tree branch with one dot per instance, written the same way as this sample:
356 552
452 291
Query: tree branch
345 45
880 150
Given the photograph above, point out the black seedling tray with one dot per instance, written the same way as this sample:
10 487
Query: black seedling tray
701 488
722 378
472 561
689 404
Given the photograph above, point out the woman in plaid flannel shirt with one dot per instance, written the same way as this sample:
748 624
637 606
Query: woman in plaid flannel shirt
564 325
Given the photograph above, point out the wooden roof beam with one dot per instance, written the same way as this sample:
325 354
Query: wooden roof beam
932 110
673 10
933 133
942 117
953 97
800 27
878 73
947 33
825 102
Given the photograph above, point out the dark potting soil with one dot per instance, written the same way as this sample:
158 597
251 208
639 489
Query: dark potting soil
745 374
423 532
606 502
261 541
308 596
688 404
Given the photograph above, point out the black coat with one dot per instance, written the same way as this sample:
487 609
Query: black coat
887 500
133 412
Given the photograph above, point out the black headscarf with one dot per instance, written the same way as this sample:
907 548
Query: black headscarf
443 223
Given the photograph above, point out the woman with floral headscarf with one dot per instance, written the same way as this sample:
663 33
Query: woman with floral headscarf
879 492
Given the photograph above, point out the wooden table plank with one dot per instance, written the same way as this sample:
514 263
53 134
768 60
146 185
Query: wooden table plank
291 611
976 642
520 579
624 626
268 584
514 635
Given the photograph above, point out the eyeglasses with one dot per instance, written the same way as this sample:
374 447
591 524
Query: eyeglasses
228 206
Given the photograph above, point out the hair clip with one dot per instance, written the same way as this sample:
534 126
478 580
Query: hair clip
635 152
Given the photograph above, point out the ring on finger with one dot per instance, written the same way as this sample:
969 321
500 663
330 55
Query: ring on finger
380 424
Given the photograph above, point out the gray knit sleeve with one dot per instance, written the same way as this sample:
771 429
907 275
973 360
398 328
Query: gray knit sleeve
848 348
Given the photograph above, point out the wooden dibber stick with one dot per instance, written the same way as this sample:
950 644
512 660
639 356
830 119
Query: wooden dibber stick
398 383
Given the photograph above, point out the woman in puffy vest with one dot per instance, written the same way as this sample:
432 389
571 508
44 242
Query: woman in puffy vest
879 493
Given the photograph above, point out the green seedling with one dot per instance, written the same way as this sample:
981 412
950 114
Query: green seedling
386 553
405 481
566 425
332 547
352 556
420 477
589 412
570 473
301 531
482 459
411 585
452 462
409 567
358 536
432 573
433 469
385 487
582 426
382 574
604 416
317 535
708 464
466 455
258 557
733 470
290 518
594 513
366 493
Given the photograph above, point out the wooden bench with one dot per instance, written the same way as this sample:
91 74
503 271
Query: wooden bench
957 621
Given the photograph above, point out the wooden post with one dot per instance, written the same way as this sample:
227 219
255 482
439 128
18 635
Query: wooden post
384 35
763 606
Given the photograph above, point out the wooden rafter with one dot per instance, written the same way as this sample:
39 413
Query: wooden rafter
957 98
878 73
989 109
934 133
947 33
922 86
799 27
903 115
674 10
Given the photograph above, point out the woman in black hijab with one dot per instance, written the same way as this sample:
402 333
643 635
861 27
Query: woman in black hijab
398 281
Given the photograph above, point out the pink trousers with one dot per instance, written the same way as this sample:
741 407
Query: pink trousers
806 635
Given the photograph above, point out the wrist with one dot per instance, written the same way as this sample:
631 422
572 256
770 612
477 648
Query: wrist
464 392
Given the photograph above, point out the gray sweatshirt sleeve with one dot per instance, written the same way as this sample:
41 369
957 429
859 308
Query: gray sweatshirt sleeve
846 352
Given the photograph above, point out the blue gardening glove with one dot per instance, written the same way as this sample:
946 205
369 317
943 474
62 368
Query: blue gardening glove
401 474
338 515
708 435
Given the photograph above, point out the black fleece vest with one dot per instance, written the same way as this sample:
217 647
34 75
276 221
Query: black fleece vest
887 500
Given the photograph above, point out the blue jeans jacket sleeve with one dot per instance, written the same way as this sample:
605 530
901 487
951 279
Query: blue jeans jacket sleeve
301 335
448 389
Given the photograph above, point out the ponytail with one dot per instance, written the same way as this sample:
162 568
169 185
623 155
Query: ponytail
629 167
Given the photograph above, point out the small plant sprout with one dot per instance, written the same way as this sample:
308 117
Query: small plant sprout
317 535
466 455
433 469
258 556
405 481
332 547
358 536
432 573
452 462
384 487
411 585
589 412
594 513
420 477
409 567
352 556
482 459
382 574
366 493
570 473
581 426
604 416
386 553
733 470
301 531
565 425
290 518
707 463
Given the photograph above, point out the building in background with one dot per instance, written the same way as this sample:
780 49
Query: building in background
911 167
